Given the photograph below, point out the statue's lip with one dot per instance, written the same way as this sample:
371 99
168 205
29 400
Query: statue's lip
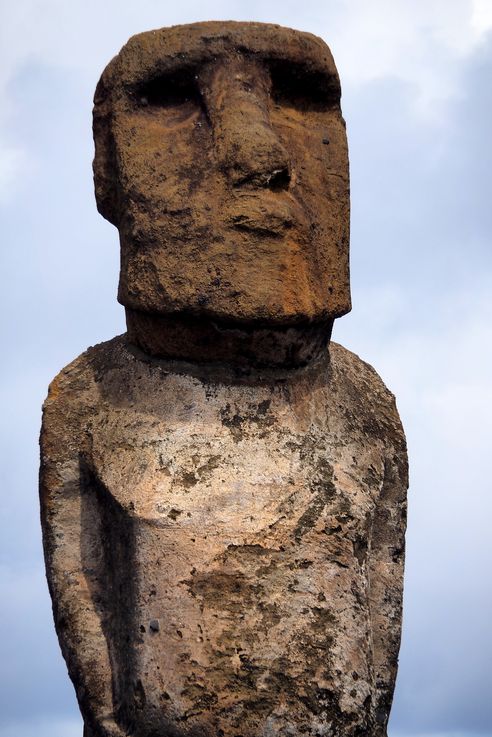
267 212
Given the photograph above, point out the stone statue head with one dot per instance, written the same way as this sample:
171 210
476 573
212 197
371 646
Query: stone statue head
221 157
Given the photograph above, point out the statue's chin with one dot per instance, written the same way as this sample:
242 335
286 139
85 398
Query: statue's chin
248 304
197 339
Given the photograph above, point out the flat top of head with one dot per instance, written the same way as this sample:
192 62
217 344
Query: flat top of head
168 49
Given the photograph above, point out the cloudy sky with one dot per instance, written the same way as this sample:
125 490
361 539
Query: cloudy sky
417 96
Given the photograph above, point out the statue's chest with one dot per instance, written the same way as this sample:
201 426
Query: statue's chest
235 462
235 525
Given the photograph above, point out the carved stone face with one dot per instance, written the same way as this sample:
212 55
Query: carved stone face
221 157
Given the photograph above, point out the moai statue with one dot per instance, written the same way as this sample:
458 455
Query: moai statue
223 489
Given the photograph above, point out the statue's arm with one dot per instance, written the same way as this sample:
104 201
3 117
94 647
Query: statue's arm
73 555
386 565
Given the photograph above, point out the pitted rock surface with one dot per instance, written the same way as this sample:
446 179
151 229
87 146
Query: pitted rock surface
240 559
221 157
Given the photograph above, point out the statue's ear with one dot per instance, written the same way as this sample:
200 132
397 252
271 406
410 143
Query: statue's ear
104 164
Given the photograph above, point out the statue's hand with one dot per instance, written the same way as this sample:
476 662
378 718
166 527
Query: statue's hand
109 728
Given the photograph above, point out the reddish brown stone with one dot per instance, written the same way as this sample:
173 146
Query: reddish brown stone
221 157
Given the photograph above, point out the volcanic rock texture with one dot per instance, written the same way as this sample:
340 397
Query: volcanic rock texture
225 550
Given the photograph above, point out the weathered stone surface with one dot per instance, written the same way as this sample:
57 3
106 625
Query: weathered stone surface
226 549
222 146
223 490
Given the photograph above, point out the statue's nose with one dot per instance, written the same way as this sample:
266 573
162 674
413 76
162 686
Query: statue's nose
248 149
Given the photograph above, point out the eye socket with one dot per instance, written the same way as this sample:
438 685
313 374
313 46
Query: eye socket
296 86
173 90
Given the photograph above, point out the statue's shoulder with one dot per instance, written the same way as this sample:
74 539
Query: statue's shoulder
74 392
361 390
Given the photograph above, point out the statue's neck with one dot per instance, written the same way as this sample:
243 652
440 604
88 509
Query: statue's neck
199 340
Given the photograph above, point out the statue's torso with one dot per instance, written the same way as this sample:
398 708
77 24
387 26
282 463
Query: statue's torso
236 523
